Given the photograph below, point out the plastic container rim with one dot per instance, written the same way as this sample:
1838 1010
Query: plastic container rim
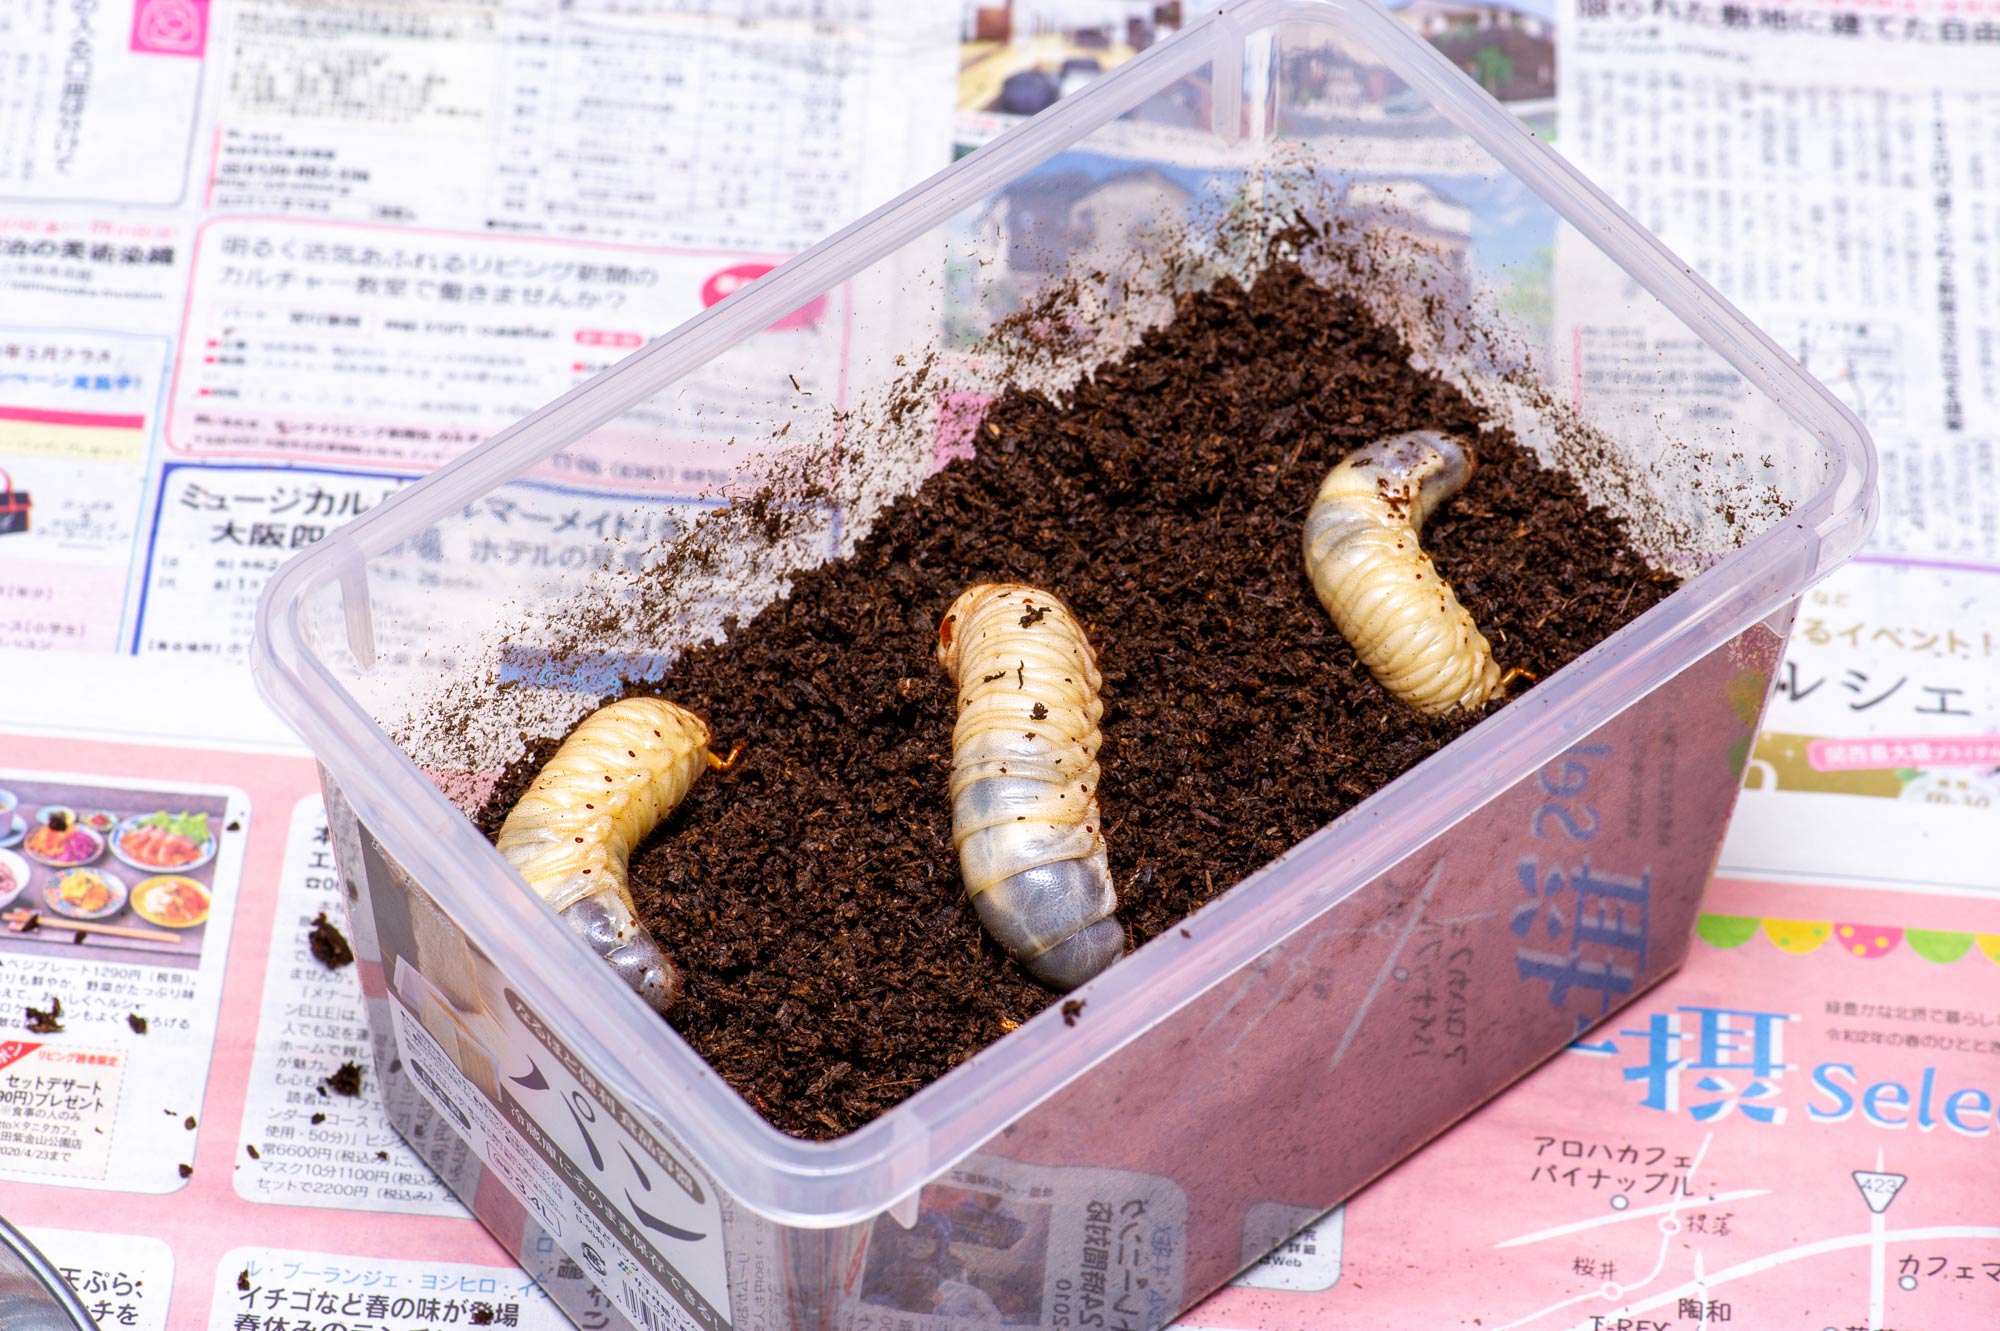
57 1292
851 1178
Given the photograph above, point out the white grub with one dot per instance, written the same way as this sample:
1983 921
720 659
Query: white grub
1384 594
1024 781
571 835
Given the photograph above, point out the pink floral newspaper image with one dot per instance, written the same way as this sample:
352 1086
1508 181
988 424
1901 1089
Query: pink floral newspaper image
1797 1130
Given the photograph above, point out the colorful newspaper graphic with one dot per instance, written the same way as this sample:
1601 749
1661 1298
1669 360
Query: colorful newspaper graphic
1795 1131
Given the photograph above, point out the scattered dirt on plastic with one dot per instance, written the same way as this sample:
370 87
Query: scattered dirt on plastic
327 944
45 1021
811 892
346 1079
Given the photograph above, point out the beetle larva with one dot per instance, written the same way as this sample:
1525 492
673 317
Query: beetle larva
1024 781
1363 556
571 836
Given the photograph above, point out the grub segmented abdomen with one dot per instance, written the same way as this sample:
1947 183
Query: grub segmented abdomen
571 835
1370 571
1024 781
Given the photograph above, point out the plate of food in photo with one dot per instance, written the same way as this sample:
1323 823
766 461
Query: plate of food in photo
14 873
171 901
100 821
85 894
61 844
164 841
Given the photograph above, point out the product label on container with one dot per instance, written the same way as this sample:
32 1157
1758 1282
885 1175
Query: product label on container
641 1221
1309 1259
995 1242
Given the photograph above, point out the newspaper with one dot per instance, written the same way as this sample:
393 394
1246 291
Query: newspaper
265 262
251 252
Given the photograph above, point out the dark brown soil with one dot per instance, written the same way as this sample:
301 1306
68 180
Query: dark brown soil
346 1079
45 1021
811 893
327 944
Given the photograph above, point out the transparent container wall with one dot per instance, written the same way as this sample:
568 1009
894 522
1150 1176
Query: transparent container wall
505 620
33 1294
1229 1080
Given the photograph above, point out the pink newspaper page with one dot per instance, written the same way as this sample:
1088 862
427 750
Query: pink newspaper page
1798 1130
167 1135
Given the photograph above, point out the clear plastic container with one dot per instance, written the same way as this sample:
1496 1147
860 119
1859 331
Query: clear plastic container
33 1294
1307 1029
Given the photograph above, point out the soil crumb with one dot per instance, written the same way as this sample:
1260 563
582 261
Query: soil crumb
328 945
346 1079
45 1021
